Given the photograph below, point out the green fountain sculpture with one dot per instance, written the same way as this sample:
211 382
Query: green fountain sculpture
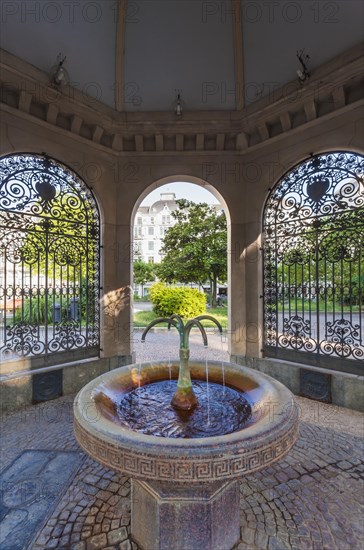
184 398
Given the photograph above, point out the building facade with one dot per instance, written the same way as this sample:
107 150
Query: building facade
150 226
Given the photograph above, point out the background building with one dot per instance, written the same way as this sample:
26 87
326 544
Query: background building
151 224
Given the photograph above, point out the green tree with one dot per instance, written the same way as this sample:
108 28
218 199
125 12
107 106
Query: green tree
143 273
195 247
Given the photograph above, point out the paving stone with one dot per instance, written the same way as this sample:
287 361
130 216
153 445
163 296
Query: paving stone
96 529
125 545
118 535
115 523
64 516
86 534
100 516
103 484
104 495
261 539
248 535
67 529
53 543
57 531
275 543
91 479
113 487
64 541
97 542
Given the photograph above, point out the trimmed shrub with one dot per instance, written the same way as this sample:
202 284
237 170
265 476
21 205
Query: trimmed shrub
184 301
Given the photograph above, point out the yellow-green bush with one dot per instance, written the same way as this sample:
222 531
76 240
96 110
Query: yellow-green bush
184 301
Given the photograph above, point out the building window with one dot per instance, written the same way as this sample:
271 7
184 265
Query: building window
150 245
152 220
313 237
49 253
150 259
139 220
150 230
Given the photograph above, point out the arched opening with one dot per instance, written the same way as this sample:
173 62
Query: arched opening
313 235
49 262
150 224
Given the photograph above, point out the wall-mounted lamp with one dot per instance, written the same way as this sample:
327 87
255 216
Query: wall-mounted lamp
178 109
59 75
302 72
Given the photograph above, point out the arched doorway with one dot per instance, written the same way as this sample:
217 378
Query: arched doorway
150 224
313 234
49 261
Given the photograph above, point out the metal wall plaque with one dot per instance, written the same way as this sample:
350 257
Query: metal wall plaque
315 385
47 385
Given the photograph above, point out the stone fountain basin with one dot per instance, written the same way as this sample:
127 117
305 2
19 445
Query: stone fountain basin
270 435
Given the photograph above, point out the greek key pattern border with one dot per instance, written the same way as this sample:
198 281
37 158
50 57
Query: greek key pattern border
185 470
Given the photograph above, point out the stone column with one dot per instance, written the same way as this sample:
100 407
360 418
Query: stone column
253 282
237 291
116 294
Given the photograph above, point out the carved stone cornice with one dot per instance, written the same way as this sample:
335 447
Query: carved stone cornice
332 89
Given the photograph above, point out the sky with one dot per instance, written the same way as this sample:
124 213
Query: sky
183 190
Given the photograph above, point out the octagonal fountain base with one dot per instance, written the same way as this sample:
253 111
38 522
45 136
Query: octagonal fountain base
203 516
185 491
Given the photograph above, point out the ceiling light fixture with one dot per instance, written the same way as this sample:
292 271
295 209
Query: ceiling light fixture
59 75
178 107
302 72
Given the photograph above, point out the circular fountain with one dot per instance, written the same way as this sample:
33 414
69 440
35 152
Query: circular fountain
185 490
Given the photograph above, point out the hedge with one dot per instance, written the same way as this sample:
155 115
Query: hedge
184 301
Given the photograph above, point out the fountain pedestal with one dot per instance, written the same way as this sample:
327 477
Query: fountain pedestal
166 515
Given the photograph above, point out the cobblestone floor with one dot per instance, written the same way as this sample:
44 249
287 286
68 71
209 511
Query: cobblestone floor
310 500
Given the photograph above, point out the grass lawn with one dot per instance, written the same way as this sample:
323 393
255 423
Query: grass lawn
143 318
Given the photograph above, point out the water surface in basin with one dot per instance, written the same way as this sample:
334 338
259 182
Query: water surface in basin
220 410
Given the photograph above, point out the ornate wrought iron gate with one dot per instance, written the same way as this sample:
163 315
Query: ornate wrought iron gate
49 261
314 263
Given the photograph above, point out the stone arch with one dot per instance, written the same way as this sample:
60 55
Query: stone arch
193 180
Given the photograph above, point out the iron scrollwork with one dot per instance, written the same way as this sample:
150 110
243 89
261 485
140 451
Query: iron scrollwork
49 259
313 238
